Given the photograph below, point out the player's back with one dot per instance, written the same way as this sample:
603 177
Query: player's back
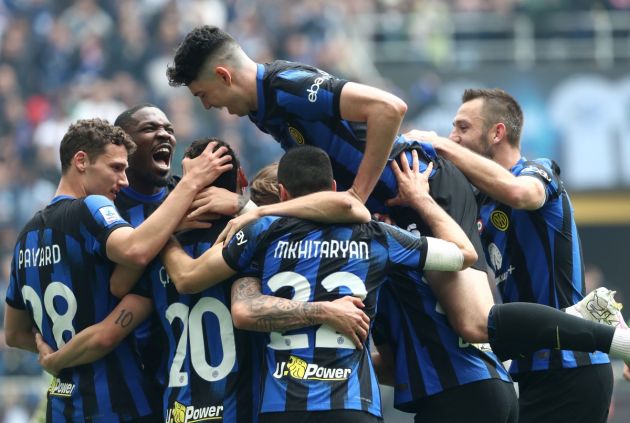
299 105
60 274
315 368
429 356
212 368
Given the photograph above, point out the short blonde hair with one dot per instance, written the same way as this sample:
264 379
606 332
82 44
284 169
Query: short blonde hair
263 189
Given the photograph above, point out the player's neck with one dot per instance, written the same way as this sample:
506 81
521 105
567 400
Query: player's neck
70 187
507 156
142 186
250 84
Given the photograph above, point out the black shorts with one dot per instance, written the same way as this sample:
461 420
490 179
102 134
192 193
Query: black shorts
332 416
580 395
487 401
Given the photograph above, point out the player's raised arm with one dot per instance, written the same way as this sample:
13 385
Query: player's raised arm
137 247
413 191
383 113
251 310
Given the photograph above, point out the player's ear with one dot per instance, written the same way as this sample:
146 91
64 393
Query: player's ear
334 185
80 160
284 194
223 74
499 132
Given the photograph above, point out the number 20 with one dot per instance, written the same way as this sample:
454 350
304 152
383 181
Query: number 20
193 320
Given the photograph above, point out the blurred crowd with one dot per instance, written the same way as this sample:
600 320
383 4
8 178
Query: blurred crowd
62 60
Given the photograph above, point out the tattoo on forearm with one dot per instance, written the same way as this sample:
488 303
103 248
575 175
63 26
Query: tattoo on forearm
247 289
272 313
125 318
279 314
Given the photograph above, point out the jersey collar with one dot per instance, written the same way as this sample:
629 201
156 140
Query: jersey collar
61 198
259 114
153 198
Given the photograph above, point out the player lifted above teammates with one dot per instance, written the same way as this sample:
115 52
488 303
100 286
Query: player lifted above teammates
354 123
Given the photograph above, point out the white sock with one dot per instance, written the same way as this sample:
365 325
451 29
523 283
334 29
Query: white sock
620 345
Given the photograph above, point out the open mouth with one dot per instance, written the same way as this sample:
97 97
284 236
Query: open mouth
162 156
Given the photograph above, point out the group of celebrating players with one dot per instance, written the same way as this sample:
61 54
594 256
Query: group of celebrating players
152 297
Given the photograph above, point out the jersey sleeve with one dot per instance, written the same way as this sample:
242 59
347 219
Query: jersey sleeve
14 294
547 172
241 251
313 92
101 218
404 249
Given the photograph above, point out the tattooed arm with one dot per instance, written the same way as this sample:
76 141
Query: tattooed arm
252 310
96 341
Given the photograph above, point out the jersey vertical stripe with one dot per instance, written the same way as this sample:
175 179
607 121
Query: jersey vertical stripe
212 368
299 104
60 274
536 257
315 368
429 356
135 208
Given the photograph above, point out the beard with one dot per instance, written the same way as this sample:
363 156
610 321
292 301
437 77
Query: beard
159 180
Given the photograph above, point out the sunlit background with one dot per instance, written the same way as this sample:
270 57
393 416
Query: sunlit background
566 61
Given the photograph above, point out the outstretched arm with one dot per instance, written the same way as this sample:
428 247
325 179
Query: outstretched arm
192 275
96 341
519 192
252 310
324 206
383 113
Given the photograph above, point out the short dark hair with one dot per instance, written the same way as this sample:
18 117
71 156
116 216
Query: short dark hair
305 170
125 119
263 189
191 54
227 179
91 136
499 106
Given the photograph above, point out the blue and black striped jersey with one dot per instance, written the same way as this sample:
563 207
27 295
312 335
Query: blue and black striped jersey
316 368
536 257
429 356
135 207
212 368
299 104
60 274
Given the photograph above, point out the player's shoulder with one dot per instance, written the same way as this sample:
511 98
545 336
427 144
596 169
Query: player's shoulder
97 201
388 233
543 168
